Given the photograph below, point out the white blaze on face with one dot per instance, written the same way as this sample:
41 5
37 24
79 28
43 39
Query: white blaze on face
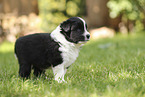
85 29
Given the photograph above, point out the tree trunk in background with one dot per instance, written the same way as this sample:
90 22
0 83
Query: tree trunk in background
21 7
98 14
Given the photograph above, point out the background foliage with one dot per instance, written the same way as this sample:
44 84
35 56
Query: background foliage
53 12
22 17
130 10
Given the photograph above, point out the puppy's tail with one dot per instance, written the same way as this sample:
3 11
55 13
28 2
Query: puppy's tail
15 51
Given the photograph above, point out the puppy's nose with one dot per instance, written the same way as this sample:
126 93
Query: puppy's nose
88 36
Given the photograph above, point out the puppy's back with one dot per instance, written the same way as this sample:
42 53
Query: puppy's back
38 49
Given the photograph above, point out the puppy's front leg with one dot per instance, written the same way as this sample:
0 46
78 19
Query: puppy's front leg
59 72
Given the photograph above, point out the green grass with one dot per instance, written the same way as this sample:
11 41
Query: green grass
106 67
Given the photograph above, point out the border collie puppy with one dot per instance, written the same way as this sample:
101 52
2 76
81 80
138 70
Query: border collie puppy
57 50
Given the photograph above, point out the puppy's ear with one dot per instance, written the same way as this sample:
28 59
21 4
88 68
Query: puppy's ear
66 28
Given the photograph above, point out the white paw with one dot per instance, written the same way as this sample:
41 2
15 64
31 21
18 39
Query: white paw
61 81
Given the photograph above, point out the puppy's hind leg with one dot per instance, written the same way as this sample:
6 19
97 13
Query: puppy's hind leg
38 72
24 70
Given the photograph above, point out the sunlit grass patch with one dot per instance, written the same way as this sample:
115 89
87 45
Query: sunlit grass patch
106 67
6 47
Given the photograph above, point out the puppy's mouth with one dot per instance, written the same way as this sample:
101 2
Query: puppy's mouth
83 42
87 39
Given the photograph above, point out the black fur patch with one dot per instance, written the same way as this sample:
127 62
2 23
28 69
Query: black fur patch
39 50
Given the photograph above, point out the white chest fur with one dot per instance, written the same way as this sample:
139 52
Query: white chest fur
69 54
69 50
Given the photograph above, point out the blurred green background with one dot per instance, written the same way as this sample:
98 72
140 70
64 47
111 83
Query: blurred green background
111 67
54 12
22 17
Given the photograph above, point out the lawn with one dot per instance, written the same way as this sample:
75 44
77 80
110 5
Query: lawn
105 68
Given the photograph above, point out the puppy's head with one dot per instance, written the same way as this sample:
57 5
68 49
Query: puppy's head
75 30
